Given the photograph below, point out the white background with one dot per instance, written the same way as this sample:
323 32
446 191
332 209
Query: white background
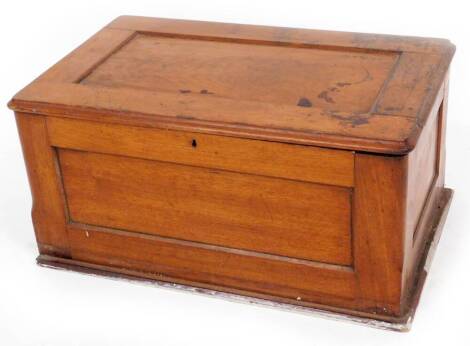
41 306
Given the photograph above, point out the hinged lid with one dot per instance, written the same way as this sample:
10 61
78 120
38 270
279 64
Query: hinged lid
333 89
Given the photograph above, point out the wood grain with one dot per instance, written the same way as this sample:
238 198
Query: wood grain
302 166
418 233
170 258
311 164
331 89
267 215
221 116
48 211
343 81
256 34
379 229
423 171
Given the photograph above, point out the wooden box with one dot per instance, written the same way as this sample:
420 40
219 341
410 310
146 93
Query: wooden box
296 166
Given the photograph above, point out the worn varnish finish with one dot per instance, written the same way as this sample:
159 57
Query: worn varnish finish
301 166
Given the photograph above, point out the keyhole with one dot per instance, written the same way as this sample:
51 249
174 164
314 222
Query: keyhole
194 143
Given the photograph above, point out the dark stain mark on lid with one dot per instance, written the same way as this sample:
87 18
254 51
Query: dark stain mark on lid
304 102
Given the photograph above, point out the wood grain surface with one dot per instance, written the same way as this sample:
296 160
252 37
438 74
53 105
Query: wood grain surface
297 162
303 166
272 74
275 216
332 89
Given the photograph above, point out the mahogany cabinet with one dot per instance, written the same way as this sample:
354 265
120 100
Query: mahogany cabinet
297 166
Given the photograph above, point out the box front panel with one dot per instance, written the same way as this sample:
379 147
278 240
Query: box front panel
146 200
250 215
268 215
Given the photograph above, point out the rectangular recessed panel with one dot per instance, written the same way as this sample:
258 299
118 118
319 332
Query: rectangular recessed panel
262 214
337 80
423 169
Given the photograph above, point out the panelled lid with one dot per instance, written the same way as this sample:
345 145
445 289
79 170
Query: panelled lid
332 89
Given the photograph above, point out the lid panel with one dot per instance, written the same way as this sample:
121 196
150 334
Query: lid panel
340 80
353 91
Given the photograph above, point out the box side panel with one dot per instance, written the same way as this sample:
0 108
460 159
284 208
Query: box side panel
422 173
425 188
